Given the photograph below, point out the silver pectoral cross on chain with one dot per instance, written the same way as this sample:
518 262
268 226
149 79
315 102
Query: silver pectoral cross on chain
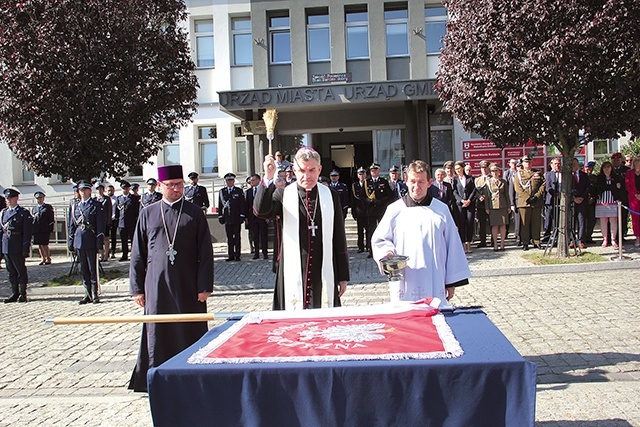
313 227
171 253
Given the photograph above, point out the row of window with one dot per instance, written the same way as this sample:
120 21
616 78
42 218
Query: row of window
356 20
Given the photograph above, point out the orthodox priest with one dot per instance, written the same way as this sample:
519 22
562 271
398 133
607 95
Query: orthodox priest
422 228
313 269
171 272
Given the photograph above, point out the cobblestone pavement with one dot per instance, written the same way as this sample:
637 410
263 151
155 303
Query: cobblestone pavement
578 323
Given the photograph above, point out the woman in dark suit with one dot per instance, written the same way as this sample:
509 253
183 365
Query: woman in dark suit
464 191
43 222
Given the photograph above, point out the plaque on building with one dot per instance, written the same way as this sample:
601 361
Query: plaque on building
254 127
330 77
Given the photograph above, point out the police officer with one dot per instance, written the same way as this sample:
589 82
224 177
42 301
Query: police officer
15 228
358 209
3 204
128 208
378 196
43 220
107 208
231 213
151 196
398 186
195 193
112 225
135 196
86 235
342 190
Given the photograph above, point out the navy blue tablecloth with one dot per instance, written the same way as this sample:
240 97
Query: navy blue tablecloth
490 385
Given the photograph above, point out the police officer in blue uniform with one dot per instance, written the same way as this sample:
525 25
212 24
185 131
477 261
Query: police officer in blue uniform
86 235
398 186
151 196
128 208
231 212
196 193
342 190
15 227
107 208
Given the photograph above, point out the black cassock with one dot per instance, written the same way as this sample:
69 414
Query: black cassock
268 204
169 289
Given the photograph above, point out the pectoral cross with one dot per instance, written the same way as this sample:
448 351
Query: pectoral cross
171 253
313 227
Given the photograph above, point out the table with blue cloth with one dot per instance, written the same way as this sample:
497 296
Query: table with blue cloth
490 385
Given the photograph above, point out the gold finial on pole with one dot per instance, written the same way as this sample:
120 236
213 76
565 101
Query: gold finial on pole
270 118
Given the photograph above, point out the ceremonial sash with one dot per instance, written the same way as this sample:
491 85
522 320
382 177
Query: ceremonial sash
293 284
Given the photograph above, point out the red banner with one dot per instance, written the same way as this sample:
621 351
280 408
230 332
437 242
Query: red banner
414 333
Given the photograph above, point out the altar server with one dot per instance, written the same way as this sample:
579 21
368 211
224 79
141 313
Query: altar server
171 272
313 243
422 228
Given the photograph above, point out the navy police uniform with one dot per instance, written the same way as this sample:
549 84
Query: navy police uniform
258 227
343 193
128 208
359 211
196 194
15 228
86 235
150 197
231 212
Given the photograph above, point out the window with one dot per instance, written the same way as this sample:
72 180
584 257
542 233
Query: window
171 150
435 28
441 145
318 43
389 148
396 19
241 149
28 177
357 23
203 29
604 147
241 36
280 39
208 147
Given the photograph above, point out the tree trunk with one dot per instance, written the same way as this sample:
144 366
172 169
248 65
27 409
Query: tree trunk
568 144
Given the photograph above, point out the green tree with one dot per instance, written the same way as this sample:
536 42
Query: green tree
543 70
92 86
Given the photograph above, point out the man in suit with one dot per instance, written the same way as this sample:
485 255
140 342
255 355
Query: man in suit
128 208
112 225
481 196
151 196
342 190
580 195
231 212
15 230
196 193
359 210
86 235
553 188
441 190
378 196
258 227
398 186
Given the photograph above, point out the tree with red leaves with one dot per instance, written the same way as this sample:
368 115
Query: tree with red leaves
92 86
560 73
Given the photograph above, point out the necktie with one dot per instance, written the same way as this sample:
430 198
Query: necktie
575 176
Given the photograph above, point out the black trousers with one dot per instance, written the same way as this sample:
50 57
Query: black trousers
88 267
483 220
233 240
17 273
259 231
362 225
113 235
125 236
372 224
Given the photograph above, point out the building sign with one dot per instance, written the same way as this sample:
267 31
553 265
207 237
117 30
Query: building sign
349 93
330 77
254 127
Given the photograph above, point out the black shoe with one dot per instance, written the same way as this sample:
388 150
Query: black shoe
22 298
12 298
84 300
113 256
42 263
481 245
544 239
370 256
237 258
266 257
256 257
96 300
525 247
360 251
518 243
124 258
228 259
